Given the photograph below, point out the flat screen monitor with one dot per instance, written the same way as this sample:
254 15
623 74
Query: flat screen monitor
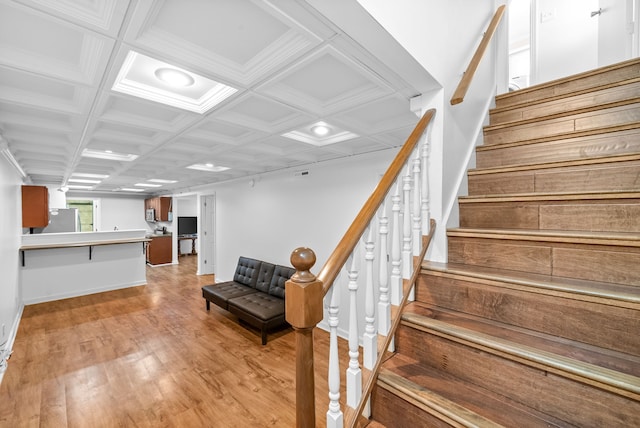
187 225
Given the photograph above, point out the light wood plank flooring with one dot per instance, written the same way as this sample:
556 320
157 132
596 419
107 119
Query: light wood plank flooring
151 356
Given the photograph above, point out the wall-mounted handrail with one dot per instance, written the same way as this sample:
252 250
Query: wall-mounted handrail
338 258
467 77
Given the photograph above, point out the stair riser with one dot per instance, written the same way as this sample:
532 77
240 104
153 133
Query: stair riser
595 216
614 264
620 177
543 391
588 322
616 94
392 411
584 122
570 149
627 71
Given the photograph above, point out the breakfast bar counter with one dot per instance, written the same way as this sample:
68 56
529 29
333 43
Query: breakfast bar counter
61 265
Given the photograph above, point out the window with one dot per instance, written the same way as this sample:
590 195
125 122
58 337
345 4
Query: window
85 212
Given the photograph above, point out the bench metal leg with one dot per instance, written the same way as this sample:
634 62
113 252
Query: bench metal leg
208 304
264 337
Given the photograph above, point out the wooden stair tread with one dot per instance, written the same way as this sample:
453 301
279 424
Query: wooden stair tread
468 405
607 379
580 352
560 88
561 236
556 196
577 114
630 132
618 93
594 161
579 289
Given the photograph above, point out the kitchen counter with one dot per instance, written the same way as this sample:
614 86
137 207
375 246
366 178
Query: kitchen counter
60 265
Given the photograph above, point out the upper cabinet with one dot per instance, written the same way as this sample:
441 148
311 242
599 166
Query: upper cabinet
35 206
161 206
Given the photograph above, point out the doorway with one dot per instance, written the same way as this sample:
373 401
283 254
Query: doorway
206 235
87 213
551 39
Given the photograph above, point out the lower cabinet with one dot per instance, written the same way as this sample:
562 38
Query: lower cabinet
159 250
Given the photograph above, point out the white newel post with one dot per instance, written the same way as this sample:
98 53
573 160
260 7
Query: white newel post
396 255
334 414
354 374
369 338
384 308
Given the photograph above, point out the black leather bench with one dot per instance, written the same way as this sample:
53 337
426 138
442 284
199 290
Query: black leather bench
256 294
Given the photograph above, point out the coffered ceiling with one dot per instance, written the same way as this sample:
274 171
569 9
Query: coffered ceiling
287 63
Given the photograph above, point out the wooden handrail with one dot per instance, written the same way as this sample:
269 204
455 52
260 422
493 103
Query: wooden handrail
368 387
338 258
467 77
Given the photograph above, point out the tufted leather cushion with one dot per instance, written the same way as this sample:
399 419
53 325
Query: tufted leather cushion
246 271
280 275
220 293
265 273
259 305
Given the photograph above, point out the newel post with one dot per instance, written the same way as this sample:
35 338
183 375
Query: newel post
303 306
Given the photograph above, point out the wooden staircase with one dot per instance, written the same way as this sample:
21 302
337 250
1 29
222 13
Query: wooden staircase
535 320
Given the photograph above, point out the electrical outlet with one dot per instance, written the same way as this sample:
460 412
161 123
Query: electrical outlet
547 15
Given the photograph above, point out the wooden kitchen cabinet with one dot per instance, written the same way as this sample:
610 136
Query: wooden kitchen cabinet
161 205
159 250
35 206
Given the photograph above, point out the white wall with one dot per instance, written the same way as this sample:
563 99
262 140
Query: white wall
10 231
283 212
123 212
443 37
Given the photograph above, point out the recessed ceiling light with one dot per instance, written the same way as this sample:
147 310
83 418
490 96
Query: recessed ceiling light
161 180
320 134
320 130
197 93
87 175
83 180
148 185
174 77
79 187
208 167
108 155
126 189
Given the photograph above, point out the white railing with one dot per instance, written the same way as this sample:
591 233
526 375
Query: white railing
396 252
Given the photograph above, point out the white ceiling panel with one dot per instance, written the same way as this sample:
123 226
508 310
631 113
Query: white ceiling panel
325 82
288 66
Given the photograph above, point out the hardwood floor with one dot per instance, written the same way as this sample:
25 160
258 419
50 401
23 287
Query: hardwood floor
151 356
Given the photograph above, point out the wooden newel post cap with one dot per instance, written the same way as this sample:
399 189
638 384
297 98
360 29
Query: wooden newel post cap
303 302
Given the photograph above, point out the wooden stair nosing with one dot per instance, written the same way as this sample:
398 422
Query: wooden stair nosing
628 130
565 113
568 79
577 114
559 236
606 379
554 196
431 402
552 165
565 135
557 97
576 289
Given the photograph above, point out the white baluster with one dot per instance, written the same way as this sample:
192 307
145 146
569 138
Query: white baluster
407 251
369 338
334 414
416 217
384 308
396 255
354 374
424 156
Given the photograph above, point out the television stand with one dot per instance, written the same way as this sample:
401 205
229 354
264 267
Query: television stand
193 243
